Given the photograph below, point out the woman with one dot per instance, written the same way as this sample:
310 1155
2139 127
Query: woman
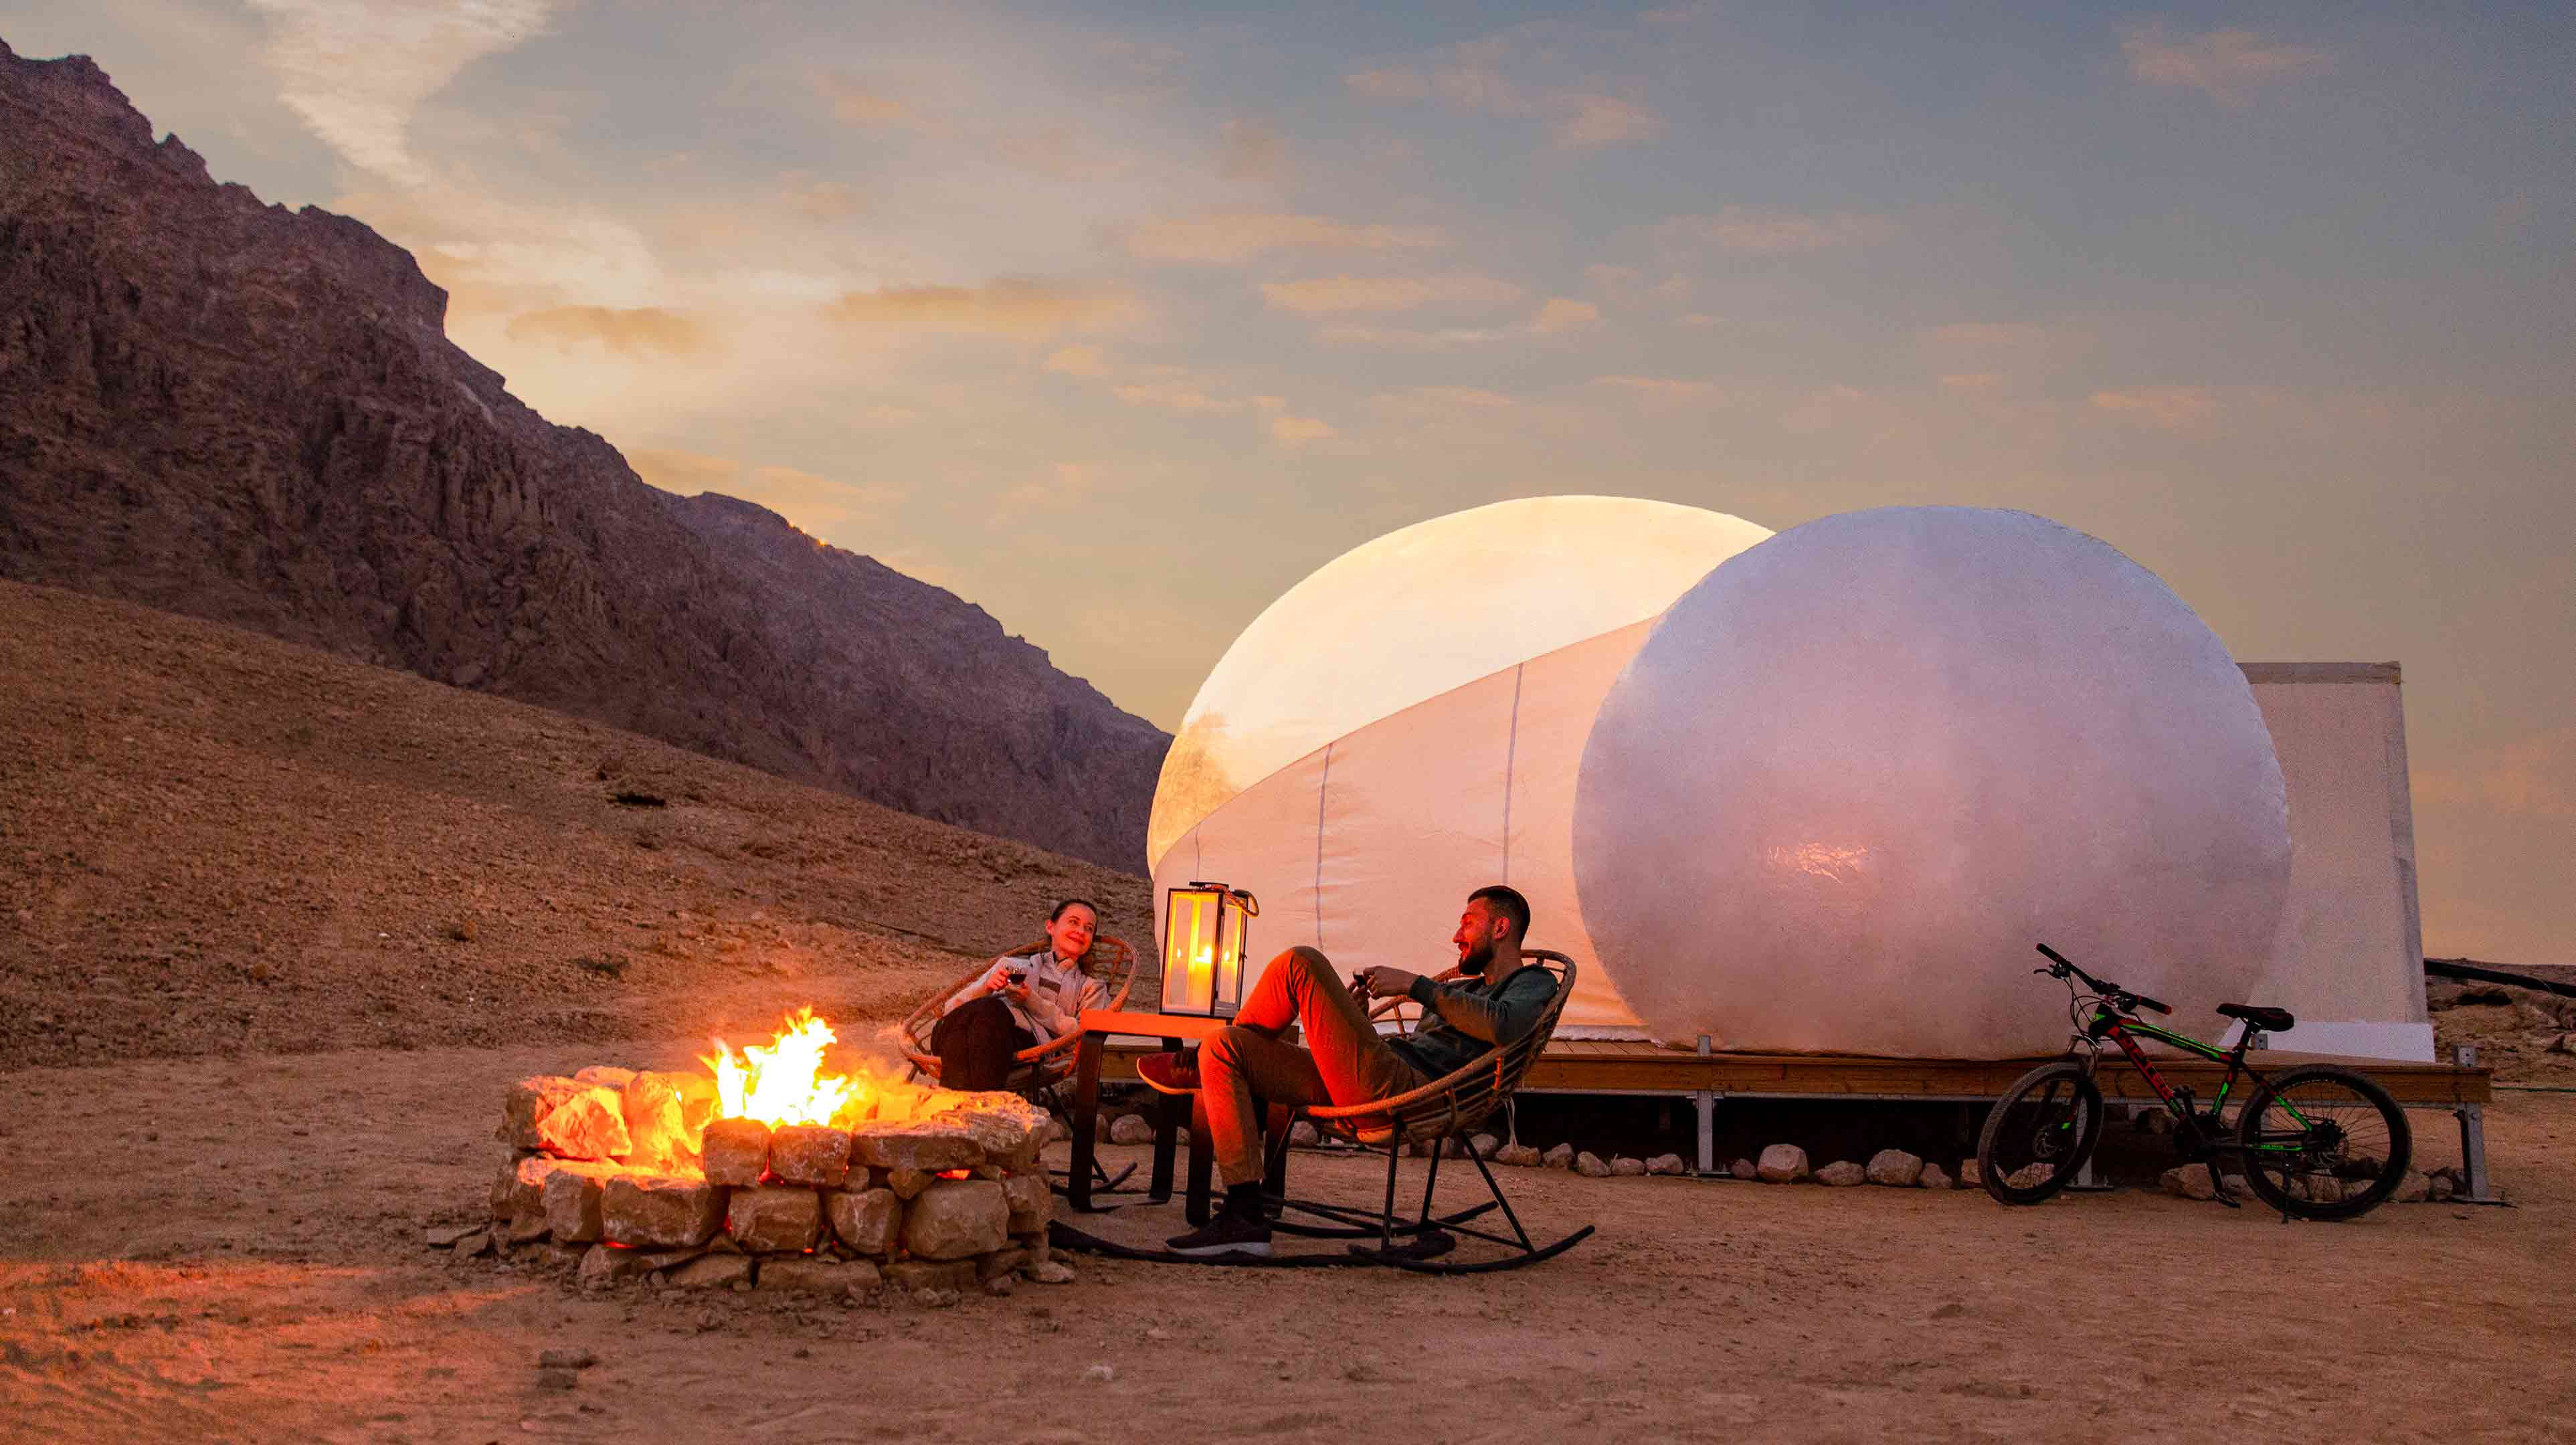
1019 1003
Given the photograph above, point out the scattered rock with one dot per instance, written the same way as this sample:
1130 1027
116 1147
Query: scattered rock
1302 1135
2189 1181
957 1219
1934 1177
1745 1169
446 1236
1841 1174
913 1276
1590 1165
1667 1164
2414 1188
936 1299
557 1379
1049 1271
1560 1156
1131 1129
2030 1176
814 1155
1520 1155
1894 1168
605 1264
1000 1285
1781 1164
1970 1176
1484 1145
2443 1187
736 1151
1101 1374
1625 1167
566 1359
1949 1310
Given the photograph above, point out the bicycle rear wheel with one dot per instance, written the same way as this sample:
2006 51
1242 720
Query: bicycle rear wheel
2040 1133
2323 1142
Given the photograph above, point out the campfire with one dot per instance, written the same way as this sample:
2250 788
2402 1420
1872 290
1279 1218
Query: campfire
767 1171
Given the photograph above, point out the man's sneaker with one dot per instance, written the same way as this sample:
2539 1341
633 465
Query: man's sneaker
1228 1233
1171 1073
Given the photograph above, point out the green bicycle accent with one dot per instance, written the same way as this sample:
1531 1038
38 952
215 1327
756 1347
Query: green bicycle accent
2316 1141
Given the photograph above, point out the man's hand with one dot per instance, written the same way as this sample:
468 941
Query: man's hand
1384 982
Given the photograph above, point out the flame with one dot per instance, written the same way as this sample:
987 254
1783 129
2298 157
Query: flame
782 1082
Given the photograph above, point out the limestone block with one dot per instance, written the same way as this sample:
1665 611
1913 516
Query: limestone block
1032 1203
775 1219
607 1264
820 1275
1559 1157
1894 1168
1131 1129
1667 1164
736 1151
1625 1167
908 1183
665 1114
604 1076
589 1125
1010 1130
1970 1175
1520 1155
814 1155
867 1220
529 1102
1781 1164
926 1145
571 1196
1591 1165
661 1211
956 1218
1934 1177
990 1267
528 1228
1842 1174
910 1275
712 1271
2189 1181
1049 1271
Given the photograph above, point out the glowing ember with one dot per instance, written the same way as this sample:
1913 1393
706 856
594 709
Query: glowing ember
782 1082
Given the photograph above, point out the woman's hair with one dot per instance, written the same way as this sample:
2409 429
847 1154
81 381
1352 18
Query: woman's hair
1071 902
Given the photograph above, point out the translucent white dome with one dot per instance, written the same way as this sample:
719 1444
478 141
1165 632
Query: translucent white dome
1421 611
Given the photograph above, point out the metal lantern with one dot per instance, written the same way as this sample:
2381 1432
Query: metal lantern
1206 929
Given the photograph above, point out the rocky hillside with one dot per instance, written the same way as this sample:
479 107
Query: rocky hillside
231 410
215 842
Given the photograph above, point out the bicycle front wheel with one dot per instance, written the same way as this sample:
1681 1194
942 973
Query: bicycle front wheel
2040 1133
2323 1142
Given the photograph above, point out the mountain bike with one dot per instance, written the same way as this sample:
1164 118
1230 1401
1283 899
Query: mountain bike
2315 1141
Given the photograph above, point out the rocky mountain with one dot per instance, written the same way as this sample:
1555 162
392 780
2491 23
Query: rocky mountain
239 412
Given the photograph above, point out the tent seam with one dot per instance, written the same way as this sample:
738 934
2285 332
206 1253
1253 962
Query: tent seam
1511 760
1321 783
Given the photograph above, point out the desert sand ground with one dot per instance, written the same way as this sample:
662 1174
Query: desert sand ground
277 929
231 1249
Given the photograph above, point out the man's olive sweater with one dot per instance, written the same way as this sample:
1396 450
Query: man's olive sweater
1463 1020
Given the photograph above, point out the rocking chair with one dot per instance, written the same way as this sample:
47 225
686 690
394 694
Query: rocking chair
1040 1071
1429 1117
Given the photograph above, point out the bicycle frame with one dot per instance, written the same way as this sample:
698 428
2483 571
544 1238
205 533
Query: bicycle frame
2121 1029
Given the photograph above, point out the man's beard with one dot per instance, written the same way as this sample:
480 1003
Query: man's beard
1477 960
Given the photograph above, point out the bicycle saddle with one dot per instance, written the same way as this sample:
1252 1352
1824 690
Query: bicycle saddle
2269 1020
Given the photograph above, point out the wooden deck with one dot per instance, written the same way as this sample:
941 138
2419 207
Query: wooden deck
1593 1066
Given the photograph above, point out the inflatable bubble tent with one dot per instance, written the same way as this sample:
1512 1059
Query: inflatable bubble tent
1411 722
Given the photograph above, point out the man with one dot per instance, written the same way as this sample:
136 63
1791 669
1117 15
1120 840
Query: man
1348 1062
1019 1003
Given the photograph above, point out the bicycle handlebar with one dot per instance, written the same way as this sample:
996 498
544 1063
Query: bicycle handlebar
2116 993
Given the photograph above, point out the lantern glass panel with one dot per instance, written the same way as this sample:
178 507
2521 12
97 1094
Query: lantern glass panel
1192 920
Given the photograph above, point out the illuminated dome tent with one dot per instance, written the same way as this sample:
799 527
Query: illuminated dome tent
1404 725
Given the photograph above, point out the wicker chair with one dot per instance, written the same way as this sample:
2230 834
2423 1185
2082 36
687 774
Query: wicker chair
1427 1117
1036 1072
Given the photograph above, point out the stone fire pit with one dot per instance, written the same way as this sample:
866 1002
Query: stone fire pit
625 1175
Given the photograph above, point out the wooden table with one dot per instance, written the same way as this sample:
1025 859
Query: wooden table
1097 1026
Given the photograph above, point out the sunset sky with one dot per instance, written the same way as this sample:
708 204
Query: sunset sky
1119 321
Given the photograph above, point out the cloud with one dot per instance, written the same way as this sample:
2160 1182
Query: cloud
1010 307
1583 122
819 506
2227 65
1064 486
819 200
1332 295
2167 408
630 330
1426 400
1177 394
1399 338
1668 389
1299 430
854 103
2534 777
355 70
1232 237
1562 314
1248 150
1087 361
1773 231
